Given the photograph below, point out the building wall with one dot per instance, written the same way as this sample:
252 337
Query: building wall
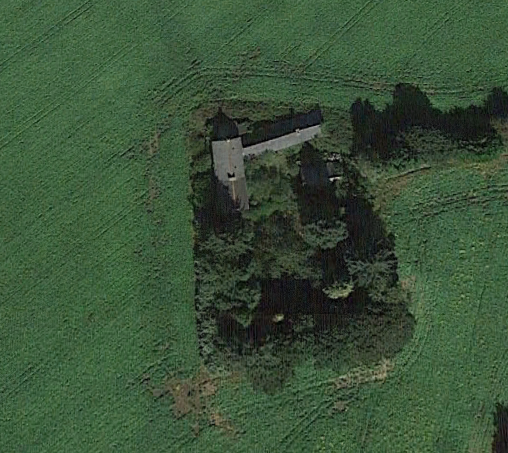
283 142
230 170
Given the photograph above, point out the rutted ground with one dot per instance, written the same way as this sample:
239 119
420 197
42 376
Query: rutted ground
94 296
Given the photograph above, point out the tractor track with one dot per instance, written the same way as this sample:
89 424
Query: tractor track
302 425
217 73
368 7
455 202
43 37
53 106
433 30
97 176
55 274
12 384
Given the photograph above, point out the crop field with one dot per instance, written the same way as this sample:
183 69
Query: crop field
96 273
93 293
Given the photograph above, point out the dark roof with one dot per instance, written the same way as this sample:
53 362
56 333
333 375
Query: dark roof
268 130
314 175
223 126
313 168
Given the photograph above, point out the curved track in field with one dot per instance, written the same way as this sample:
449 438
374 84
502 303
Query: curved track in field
291 436
455 202
424 326
217 74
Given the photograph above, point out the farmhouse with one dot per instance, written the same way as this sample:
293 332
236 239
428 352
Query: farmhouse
235 143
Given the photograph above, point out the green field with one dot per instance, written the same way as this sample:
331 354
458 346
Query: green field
96 277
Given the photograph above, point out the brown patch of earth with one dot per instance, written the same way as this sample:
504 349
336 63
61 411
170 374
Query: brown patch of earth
218 420
191 397
408 284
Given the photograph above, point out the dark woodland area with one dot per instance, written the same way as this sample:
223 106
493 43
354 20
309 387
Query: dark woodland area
401 131
299 279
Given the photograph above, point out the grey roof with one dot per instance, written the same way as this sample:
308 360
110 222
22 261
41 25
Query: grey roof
229 168
269 129
228 160
283 142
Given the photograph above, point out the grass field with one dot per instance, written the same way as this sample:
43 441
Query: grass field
92 293
96 291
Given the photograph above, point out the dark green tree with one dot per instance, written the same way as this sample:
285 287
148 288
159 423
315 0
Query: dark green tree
324 234
281 250
500 441
374 275
496 103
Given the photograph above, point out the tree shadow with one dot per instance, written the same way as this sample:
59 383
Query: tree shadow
500 438
381 134
296 321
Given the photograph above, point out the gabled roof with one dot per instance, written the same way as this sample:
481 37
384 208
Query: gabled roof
270 130
286 141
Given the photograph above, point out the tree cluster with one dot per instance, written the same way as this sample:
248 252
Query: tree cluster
294 265
383 134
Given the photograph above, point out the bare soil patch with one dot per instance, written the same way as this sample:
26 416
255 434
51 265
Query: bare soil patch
360 376
191 397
